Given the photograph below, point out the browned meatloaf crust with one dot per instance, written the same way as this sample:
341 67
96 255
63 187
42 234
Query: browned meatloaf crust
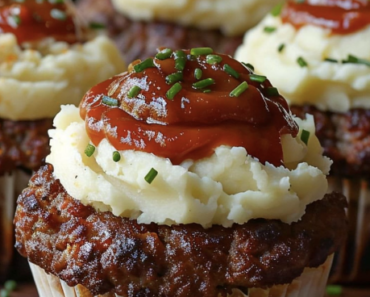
23 144
139 40
345 138
108 253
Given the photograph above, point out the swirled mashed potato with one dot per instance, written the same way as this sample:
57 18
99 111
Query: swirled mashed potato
228 187
336 87
232 17
35 82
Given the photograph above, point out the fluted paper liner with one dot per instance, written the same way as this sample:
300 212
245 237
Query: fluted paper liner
352 262
312 282
11 185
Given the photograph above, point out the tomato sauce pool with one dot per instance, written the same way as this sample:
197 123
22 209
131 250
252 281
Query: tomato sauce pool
340 16
184 105
33 20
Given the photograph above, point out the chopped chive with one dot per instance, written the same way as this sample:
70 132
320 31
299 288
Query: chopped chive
134 91
305 135
148 63
213 59
277 10
257 78
281 47
356 60
89 150
334 290
171 93
151 175
249 66
109 101
272 92
14 20
58 14
203 83
198 73
302 62
116 156
201 51
174 77
239 89
96 26
331 60
269 29
229 70
10 285
191 57
164 54
180 60
207 91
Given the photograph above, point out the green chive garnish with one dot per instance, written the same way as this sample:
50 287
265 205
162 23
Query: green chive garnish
331 60
281 47
148 63
207 91
269 29
134 91
203 83
10 285
201 51
302 62
229 70
239 89
180 60
277 10
14 20
174 77
171 93
191 57
198 73
305 135
89 150
109 101
257 78
116 156
58 14
164 54
249 66
151 175
356 60
213 59
271 92
334 290
96 26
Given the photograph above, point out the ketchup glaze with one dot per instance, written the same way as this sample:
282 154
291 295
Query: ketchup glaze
195 121
340 16
33 20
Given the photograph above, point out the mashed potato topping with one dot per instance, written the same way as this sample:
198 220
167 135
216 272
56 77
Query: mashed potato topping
228 187
35 82
330 86
232 17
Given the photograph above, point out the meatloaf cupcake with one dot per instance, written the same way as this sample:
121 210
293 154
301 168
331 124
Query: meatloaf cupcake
317 53
140 27
186 175
43 63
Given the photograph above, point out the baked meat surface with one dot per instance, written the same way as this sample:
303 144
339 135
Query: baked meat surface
345 138
23 144
106 253
139 40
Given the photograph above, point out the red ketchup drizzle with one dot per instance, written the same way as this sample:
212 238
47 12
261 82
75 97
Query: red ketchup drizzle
340 16
193 124
33 20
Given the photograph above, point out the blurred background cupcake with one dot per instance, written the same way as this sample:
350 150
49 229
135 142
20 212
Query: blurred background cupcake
140 27
185 176
46 59
317 53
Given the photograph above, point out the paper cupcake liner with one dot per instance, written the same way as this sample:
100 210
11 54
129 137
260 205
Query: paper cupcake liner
352 263
312 282
11 185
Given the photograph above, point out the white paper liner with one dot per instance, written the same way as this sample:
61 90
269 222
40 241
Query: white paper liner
312 282
352 262
11 185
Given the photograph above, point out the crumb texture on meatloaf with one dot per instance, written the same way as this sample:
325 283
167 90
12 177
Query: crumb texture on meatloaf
106 253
